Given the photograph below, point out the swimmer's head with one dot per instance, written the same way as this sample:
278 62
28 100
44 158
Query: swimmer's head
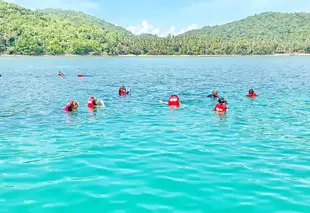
215 93
222 101
73 105
174 101
174 96
251 91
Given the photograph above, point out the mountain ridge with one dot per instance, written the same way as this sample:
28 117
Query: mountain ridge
58 32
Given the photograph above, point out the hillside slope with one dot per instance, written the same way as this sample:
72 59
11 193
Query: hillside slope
27 32
81 18
268 25
58 32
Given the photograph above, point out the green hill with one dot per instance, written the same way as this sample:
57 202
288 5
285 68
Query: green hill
80 18
28 32
58 32
264 26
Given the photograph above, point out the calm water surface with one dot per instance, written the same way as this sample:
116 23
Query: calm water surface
137 155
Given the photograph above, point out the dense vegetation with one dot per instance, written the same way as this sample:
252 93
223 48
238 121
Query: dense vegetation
57 32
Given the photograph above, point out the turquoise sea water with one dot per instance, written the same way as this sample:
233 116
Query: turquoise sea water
137 155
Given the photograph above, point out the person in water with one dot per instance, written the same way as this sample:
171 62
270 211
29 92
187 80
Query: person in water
252 93
71 106
93 102
60 74
124 91
174 101
214 94
221 106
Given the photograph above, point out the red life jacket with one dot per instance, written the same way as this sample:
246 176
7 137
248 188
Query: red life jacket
122 91
174 101
91 103
220 108
68 106
252 95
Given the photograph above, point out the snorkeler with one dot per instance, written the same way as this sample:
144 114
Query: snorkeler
124 91
214 94
60 74
174 101
93 102
71 106
221 106
252 94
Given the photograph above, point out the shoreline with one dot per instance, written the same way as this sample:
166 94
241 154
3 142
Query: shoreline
158 56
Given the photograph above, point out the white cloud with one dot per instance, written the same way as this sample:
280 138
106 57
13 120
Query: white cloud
156 31
189 28
145 27
172 30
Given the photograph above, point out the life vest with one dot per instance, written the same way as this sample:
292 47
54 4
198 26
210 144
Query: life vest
91 103
67 107
252 95
220 108
122 91
174 101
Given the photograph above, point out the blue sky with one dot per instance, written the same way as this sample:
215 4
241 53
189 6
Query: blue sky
162 17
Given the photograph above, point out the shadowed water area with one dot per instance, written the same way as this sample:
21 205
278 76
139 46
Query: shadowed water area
137 155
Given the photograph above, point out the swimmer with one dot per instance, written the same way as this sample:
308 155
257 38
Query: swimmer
174 101
252 94
221 106
124 91
60 74
93 102
214 94
71 106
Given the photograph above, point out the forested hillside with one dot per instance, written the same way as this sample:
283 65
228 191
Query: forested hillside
58 32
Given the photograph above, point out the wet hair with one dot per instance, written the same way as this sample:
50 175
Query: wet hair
94 100
70 107
251 91
173 95
222 101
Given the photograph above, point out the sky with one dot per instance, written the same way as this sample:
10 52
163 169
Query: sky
163 17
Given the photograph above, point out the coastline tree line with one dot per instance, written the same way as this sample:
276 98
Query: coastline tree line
58 32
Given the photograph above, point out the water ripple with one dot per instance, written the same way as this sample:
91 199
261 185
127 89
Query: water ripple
137 155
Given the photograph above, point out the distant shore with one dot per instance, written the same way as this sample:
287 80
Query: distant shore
159 56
